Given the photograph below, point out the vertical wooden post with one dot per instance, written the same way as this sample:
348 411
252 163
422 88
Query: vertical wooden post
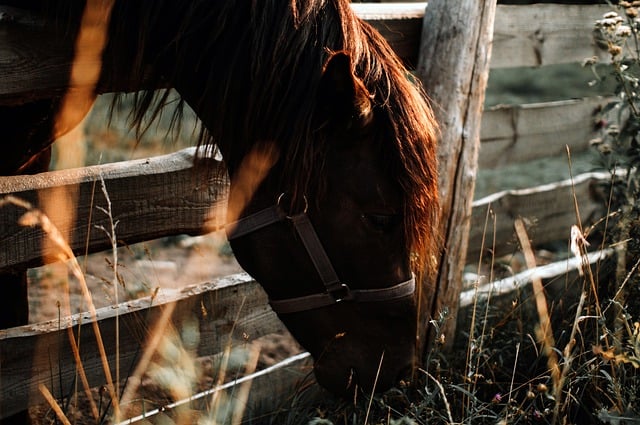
454 65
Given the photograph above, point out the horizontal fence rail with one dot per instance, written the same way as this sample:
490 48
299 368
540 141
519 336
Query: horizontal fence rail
34 65
150 198
521 133
229 311
550 210
145 205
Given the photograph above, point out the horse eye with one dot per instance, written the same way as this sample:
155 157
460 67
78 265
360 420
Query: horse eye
381 222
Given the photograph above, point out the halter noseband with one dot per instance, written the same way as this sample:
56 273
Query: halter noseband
335 291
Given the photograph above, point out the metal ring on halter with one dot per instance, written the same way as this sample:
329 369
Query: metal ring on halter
306 205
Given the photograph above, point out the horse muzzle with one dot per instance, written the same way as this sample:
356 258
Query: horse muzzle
343 380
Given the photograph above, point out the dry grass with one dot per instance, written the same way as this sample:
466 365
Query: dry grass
578 363
167 363
559 351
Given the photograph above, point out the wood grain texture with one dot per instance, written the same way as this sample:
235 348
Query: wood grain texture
151 198
35 63
228 311
532 35
549 209
513 134
509 304
545 34
454 68
522 280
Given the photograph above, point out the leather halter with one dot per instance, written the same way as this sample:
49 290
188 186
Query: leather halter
335 290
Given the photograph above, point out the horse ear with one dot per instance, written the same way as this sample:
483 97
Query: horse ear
343 96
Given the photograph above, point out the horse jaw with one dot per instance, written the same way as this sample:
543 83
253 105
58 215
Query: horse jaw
362 347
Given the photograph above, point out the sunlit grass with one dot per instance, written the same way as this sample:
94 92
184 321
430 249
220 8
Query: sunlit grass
168 360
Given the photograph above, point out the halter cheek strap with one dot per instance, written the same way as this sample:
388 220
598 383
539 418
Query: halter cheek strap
335 290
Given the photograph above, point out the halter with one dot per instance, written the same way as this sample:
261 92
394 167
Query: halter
335 291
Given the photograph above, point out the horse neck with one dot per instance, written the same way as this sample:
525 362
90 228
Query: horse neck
252 100
233 67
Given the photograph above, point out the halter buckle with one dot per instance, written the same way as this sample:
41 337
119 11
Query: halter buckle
340 292
288 213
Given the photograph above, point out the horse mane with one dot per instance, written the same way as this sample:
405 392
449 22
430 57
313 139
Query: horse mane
265 60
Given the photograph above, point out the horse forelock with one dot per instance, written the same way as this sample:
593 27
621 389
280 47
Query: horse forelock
411 125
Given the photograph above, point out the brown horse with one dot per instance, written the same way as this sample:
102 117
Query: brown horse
330 147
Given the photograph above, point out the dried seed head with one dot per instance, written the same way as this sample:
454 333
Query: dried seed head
614 50
29 219
625 30
605 149
613 130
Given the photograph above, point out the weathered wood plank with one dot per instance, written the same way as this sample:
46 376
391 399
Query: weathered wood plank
294 385
521 133
509 306
31 59
531 35
548 208
519 281
35 65
544 34
399 23
146 206
229 310
150 198
388 10
454 67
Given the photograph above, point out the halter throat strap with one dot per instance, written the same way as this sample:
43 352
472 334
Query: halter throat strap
335 290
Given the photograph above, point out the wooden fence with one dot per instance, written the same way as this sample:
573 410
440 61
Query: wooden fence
234 308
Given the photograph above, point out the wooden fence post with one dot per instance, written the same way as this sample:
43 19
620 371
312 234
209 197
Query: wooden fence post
454 65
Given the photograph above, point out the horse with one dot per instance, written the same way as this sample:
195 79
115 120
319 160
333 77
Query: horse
329 144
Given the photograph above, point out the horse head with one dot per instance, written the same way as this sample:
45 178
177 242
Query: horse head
335 257
330 148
